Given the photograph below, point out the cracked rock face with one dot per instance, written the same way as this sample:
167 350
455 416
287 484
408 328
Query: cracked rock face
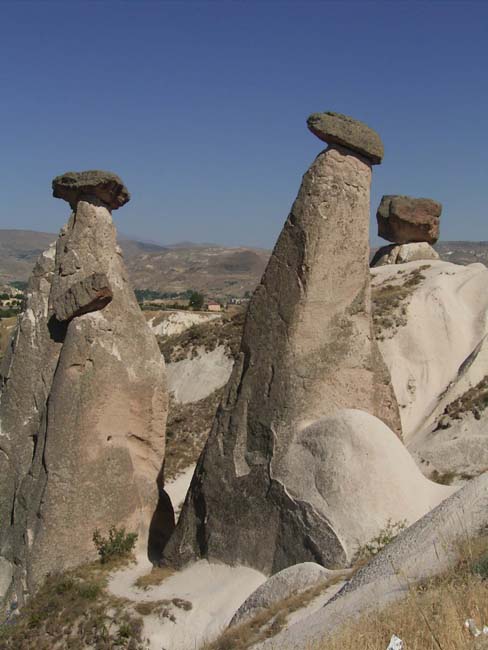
404 220
307 351
26 375
90 449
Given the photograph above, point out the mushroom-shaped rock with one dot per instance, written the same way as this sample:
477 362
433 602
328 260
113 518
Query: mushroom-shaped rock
83 406
404 219
335 128
105 186
307 351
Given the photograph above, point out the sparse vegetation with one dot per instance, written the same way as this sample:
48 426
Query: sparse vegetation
118 544
186 432
270 622
386 535
390 302
163 608
73 611
209 335
474 401
445 478
432 615
155 577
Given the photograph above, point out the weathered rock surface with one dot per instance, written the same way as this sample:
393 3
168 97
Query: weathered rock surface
438 361
335 128
196 378
424 550
400 254
91 455
26 375
307 351
105 186
358 476
404 219
89 294
286 583
453 443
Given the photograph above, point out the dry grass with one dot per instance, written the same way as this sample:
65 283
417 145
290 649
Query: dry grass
74 611
163 609
474 400
226 331
187 430
390 302
268 623
432 615
155 577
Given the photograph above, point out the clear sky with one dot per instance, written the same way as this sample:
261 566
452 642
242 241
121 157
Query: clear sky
201 107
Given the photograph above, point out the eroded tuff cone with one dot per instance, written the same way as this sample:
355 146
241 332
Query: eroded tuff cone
403 219
107 187
335 128
307 350
91 453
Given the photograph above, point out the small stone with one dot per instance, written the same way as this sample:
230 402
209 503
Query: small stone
404 219
335 128
105 186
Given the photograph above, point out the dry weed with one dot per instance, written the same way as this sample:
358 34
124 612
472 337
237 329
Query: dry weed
432 615
155 577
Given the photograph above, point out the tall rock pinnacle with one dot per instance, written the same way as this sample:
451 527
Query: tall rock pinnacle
307 351
84 402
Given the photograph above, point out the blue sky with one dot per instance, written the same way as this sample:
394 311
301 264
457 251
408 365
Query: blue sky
201 107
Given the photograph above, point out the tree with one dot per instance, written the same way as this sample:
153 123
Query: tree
196 300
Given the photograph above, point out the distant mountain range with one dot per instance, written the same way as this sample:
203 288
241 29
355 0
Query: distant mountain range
217 271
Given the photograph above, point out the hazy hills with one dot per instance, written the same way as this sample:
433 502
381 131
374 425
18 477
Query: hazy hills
216 270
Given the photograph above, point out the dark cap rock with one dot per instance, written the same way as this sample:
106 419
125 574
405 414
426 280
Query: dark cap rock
335 128
105 186
405 219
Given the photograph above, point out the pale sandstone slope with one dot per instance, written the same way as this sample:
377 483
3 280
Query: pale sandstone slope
436 355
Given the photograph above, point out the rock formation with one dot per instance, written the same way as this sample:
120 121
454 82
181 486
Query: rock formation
426 549
437 355
412 224
307 351
402 253
83 405
289 582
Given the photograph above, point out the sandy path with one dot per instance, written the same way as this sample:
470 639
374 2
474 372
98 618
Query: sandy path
215 592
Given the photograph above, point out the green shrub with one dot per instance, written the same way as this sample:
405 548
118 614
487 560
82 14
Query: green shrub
118 543
481 567
384 537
